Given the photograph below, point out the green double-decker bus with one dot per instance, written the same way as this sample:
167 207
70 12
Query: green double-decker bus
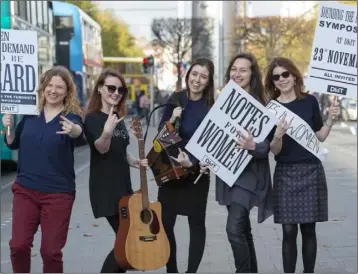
29 15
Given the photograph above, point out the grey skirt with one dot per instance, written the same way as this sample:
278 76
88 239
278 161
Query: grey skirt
300 194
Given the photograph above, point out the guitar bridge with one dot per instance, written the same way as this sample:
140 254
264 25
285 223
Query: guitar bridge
147 238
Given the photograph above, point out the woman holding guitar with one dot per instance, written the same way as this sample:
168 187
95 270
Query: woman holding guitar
108 139
183 197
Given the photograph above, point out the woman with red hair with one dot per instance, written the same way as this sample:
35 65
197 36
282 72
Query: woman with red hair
108 139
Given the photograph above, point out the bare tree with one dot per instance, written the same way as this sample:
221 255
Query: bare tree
271 36
179 37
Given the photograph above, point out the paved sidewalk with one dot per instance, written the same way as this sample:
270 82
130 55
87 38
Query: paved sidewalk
90 240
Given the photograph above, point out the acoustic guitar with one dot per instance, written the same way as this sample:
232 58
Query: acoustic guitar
141 241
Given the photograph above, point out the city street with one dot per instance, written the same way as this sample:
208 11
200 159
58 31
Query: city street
90 240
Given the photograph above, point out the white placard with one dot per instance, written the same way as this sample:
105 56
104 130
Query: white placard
215 140
19 71
333 64
299 130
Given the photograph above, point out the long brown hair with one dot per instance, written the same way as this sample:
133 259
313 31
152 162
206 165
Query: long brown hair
71 102
270 89
95 102
208 92
256 85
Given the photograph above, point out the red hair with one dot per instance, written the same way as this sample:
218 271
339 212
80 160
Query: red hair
95 102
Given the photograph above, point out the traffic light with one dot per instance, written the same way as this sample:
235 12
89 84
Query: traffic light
148 62
145 65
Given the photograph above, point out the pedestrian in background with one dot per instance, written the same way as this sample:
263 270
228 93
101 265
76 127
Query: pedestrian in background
44 189
300 187
183 197
108 139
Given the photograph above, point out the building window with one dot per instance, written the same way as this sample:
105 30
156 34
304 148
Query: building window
50 19
28 11
16 8
45 14
40 20
33 13
22 9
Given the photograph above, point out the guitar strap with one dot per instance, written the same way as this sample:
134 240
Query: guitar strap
179 101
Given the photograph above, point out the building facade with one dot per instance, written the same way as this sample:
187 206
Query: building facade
36 16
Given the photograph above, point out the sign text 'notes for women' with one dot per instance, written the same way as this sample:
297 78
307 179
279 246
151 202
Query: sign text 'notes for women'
215 140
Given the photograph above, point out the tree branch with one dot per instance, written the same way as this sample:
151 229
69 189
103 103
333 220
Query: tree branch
181 36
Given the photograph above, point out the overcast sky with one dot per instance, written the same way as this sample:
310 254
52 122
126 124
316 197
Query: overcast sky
139 14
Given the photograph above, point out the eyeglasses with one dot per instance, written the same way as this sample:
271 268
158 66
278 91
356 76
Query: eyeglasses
284 74
112 89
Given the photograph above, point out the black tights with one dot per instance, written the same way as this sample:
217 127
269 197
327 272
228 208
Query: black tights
289 247
110 264
197 240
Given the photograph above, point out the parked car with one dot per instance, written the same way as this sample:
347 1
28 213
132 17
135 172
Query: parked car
348 109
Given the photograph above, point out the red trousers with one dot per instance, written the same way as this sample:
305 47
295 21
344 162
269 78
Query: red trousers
33 208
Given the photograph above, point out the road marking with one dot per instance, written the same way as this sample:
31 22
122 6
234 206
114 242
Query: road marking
6 186
81 168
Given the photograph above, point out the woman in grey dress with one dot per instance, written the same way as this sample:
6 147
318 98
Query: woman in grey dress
300 188
253 187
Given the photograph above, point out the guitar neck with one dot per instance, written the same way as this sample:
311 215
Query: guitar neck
143 176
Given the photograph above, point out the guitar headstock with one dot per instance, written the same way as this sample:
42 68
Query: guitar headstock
136 127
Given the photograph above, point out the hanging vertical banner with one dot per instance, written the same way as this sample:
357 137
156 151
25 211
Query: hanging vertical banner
19 71
333 64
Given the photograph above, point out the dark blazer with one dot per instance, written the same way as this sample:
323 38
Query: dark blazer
253 187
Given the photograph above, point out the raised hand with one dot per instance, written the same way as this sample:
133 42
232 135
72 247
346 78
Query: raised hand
69 128
111 122
246 143
334 109
282 127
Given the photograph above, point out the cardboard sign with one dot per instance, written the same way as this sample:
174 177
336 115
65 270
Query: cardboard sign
333 64
214 142
299 130
19 71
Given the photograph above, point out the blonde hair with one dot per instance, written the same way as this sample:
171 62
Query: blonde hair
71 103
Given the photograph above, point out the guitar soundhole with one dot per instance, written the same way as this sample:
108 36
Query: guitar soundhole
146 216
